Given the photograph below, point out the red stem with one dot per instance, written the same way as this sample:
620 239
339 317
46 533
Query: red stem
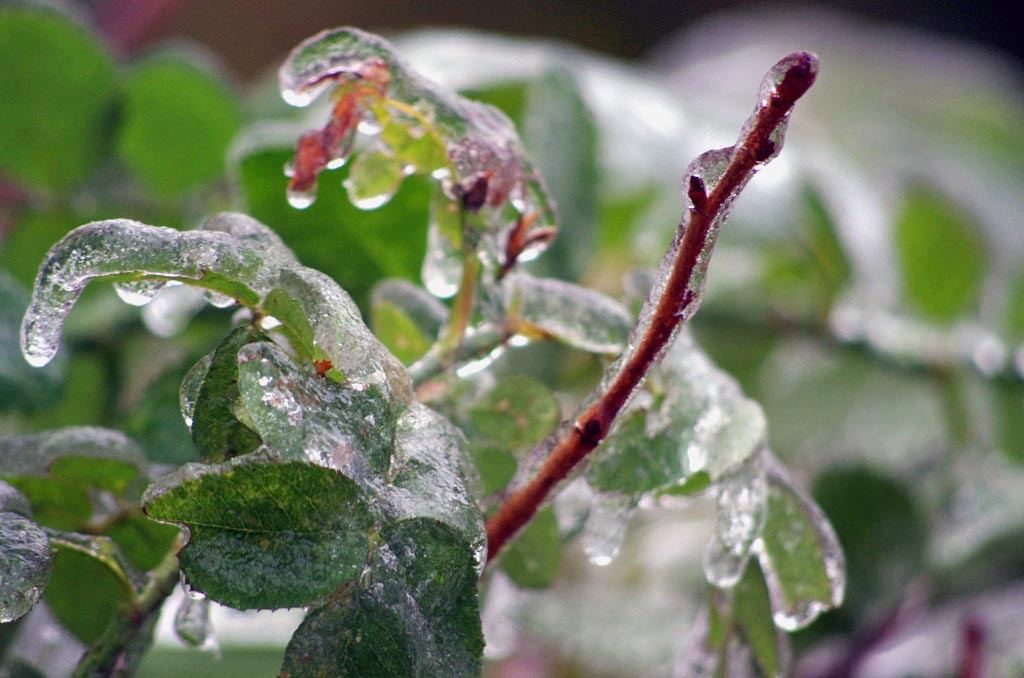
593 425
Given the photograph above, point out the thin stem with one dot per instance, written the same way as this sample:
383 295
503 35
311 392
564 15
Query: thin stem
753 149
462 308
120 648
476 342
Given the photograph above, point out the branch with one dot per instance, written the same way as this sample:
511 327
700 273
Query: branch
120 648
759 142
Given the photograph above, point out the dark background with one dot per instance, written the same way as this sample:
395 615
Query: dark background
251 35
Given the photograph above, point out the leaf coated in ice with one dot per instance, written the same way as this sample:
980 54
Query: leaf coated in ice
799 553
415 613
577 316
25 564
265 532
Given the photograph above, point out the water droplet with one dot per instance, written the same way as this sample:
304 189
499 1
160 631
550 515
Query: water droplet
606 525
442 265
219 300
192 623
190 593
140 292
373 179
172 309
300 200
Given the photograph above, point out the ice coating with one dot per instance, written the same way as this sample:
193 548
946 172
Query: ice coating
25 563
304 417
32 454
432 475
580 317
742 496
190 387
480 142
442 264
803 563
192 623
234 255
373 179
606 525
339 334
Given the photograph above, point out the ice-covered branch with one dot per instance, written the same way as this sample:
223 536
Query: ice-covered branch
711 185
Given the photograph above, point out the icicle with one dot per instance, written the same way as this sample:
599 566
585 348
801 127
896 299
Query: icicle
742 495
606 526
192 624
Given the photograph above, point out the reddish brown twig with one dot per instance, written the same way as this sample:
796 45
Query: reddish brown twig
756 146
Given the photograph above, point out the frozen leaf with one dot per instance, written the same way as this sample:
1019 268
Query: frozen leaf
265 532
742 496
518 412
533 557
942 255
433 476
398 332
577 316
13 501
305 417
25 564
59 98
234 256
326 326
216 429
21 386
631 460
176 123
415 614
496 466
799 554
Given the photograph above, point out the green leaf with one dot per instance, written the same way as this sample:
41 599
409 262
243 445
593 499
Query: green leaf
799 554
31 235
752 616
304 417
562 140
580 317
433 476
22 387
265 533
59 97
942 255
398 332
882 532
1009 412
234 256
496 466
419 617
631 461
177 121
83 594
144 542
532 559
216 430
25 563
518 412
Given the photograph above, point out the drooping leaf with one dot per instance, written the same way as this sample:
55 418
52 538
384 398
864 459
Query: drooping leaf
799 554
575 315
941 254
25 562
234 256
418 616
532 559
21 386
518 412
59 96
177 121
265 533
216 429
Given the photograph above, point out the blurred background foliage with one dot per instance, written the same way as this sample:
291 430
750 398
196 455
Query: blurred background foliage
868 291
